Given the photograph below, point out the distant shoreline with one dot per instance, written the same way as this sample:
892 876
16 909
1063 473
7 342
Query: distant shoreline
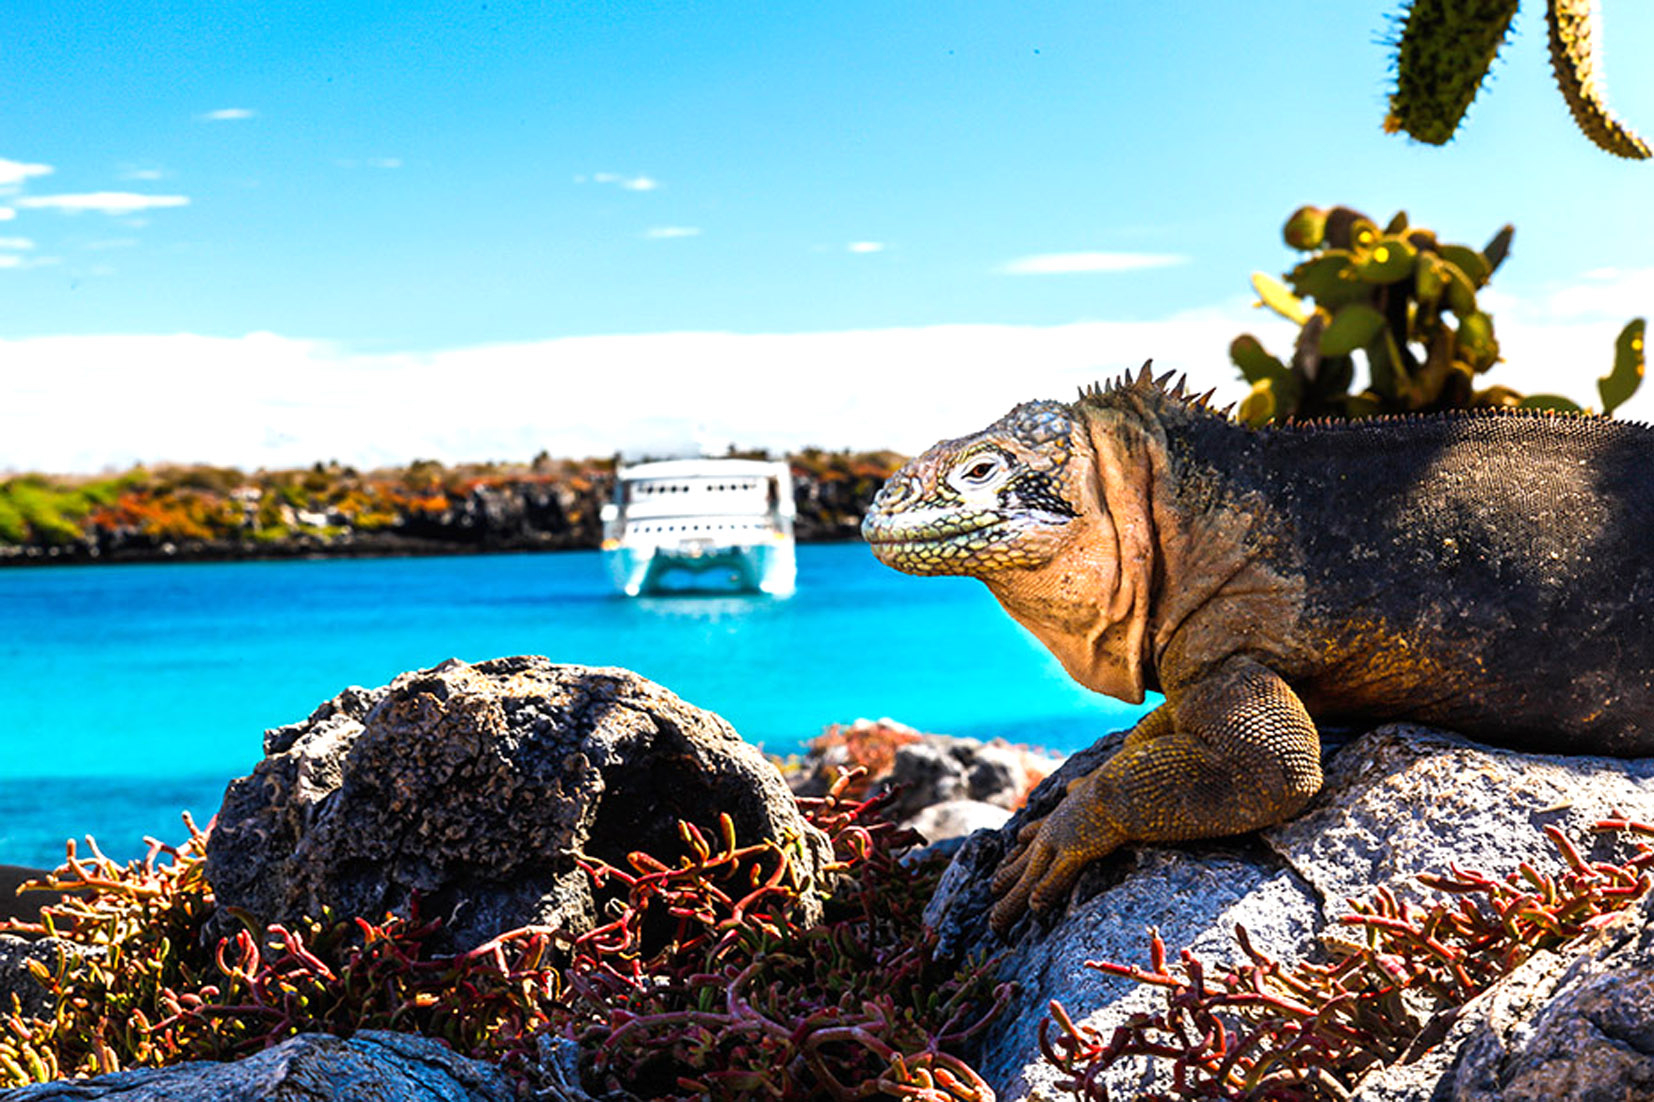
376 548
209 514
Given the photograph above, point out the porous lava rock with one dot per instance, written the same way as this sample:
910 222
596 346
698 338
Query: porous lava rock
475 788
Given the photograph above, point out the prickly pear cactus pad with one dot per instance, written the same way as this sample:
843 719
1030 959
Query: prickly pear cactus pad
1446 48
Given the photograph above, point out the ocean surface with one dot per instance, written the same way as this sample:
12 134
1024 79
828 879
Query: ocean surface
128 693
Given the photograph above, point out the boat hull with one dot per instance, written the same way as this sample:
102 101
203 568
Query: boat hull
754 568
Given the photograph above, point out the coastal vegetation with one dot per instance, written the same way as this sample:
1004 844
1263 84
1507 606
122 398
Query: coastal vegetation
203 511
700 983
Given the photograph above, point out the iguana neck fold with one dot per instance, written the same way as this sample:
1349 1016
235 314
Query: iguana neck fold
1090 602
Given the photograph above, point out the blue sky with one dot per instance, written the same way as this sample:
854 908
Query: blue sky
374 231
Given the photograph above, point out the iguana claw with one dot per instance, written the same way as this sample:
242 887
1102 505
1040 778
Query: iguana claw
1050 853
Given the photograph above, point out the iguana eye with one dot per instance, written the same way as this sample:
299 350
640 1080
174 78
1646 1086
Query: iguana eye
980 471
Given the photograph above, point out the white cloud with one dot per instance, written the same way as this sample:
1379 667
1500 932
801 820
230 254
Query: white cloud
105 202
630 183
384 162
17 262
1065 263
663 232
7 214
147 174
865 246
270 400
16 243
228 114
14 173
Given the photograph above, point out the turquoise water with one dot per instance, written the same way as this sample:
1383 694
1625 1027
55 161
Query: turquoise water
130 692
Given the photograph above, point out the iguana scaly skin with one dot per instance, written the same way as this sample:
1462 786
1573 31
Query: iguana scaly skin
1488 573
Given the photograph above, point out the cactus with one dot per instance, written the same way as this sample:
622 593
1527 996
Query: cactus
1574 57
1408 304
1622 382
1442 56
1446 48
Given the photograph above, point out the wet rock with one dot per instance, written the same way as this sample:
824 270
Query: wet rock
474 787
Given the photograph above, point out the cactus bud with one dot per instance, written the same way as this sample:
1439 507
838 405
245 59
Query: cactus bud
1429 280
1461 293
1498 247
1306 228
1577 65
1476 343
1390 260
1342 224
1442 57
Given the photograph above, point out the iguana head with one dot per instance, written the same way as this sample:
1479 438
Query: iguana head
1000 499
1051 507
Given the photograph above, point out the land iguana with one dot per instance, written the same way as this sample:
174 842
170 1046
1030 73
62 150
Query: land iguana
1491 573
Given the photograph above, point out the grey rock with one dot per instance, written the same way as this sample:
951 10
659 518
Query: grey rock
957 818
372 1066
1406 800
475 787
928 772
1396 802
1576 1024
930 769
999 772
16 979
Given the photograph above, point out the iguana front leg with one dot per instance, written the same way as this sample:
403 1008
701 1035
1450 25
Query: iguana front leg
1230 752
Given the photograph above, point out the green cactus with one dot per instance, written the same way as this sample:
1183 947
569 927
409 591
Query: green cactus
1442 56
1622 382
1446 47
1406 303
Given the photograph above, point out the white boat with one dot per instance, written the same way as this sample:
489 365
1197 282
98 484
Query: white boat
701 524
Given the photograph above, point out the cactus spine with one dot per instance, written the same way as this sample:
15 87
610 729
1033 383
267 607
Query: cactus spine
1442 58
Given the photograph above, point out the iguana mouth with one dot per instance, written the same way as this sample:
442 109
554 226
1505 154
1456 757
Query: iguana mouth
890 531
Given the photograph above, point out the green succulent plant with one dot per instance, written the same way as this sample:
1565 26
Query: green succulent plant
1407 303
1446 47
